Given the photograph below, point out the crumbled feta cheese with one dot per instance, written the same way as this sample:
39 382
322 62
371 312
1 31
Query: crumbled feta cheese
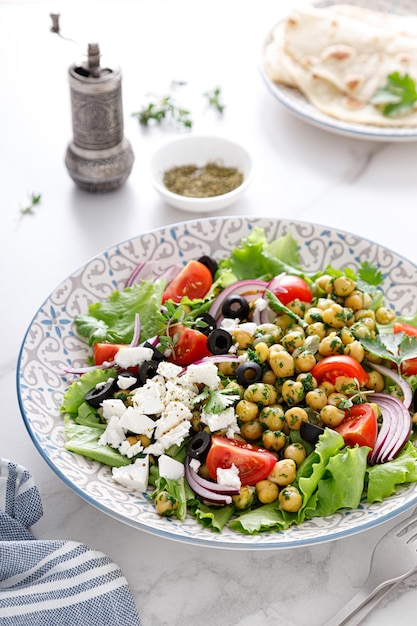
229 324
169 370
260 304
114 435
195 464
248 327
134 476
175 413
130 357
175 392
137 422
147 399
175 436
170 468
229 476
124 382
111 407
204 373
219 421
130 450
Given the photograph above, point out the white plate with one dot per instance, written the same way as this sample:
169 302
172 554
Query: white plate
294 101
51 343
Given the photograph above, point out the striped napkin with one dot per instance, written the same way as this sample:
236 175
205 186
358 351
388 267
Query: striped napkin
53 582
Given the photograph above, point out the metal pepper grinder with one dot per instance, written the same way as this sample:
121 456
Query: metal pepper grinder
99 158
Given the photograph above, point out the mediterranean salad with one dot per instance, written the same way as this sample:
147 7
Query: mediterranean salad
246 391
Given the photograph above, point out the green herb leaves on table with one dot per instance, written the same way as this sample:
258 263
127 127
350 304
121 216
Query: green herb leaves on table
397 97
33 201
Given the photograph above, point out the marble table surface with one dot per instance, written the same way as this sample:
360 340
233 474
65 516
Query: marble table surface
302 172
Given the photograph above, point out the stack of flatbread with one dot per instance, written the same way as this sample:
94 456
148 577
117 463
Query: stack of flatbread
340 55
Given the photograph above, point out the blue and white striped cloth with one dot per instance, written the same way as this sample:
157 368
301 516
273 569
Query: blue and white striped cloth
57 582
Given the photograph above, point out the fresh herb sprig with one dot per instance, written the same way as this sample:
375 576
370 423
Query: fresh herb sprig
397 97
214 99
34 200
164 108
397 347
218 400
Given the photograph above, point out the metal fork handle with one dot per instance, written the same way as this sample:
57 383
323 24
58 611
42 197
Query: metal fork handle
364 595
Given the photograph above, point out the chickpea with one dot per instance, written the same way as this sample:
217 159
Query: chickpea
268 333
355 350
272 417
251 430
267 491
292 340
343 286
346 336
260 393
346 385
375 381
269 377
313 315
284 321
292 392
165 504
246 410
316 399
336 398
282 363
360 331
284 472
245 498
290 499
261 352
327 387
295 451
358 300
295 416
317 328
297 306
274 440
324 282
307 380
304 361
335 316
227 368
331 415
332 344
324 303
242 338
383 315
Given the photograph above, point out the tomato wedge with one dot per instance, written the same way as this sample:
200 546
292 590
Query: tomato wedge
360 426
193 281
254 464
329 368
190 345
296 288
409 367
105 352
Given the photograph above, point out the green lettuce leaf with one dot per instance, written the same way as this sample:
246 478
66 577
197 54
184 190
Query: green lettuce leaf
84 440
384 478
266 517
213 518
176 491
74 396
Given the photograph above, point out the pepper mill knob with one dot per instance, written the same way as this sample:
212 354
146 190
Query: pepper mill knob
99 157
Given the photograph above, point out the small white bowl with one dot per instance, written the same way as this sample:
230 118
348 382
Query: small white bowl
200 150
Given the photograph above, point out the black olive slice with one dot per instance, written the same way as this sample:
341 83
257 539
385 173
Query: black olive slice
148 369
219 341
310 432
95 396
157 354
209 323
209 262
248 373
235 306
199 445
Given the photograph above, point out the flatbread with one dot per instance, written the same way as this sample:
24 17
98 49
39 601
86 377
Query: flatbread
339 56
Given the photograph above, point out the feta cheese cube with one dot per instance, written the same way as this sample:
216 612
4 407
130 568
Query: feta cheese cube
134 476
170 468
124 382
147 399
229 476
248 327
130 357
219 421
137 422
111 407
174 414
114 435
204 373
130 450
169 370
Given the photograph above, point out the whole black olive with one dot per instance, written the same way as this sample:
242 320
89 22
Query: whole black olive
209 323
219 341
248 373
199 445
148 369
95 396
129 375
209 262
235 306
157 354
310 432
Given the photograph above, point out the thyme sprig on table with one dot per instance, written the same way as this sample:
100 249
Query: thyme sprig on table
214 101
34 200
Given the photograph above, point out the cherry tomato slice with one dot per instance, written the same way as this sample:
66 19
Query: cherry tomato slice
359 426
329 368
296 288
254 464
105 352
193 281
409 367
190 345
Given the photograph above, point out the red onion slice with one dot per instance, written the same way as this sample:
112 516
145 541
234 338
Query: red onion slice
395 429
211 486
206 494
136 332
403 384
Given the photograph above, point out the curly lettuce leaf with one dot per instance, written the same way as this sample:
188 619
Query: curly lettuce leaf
84 440
384 478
